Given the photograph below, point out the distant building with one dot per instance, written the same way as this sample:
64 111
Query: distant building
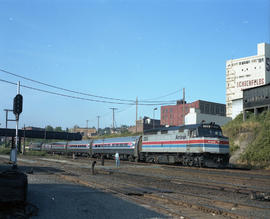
246 73
145 124
86 132
195 116
256 99
174 115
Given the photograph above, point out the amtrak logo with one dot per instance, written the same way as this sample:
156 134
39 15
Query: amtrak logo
180 137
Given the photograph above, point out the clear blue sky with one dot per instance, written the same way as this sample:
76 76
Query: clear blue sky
121 49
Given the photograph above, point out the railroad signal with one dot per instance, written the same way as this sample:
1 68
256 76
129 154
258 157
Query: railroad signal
17 104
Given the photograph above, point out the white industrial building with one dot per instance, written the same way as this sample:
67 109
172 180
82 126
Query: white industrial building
195 116
245 73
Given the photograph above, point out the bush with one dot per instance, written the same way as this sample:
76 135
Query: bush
4 150
258 150
233 148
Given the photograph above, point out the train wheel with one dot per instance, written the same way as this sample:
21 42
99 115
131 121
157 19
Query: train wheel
190 163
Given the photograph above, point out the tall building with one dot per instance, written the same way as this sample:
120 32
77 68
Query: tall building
174 115
245 73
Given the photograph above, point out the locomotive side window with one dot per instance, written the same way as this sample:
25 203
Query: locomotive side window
210 132
193 133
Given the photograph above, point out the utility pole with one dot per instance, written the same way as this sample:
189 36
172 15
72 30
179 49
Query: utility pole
98 123
184 111
154 117
136 113
113 109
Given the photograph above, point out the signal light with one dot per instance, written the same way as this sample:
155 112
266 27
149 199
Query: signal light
17 104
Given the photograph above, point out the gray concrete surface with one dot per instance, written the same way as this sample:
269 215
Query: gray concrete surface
72 201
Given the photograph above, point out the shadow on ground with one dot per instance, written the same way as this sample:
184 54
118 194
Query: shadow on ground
73 201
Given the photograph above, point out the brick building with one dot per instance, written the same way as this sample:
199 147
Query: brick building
31 128
174 115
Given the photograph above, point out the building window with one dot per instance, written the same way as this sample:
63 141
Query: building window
206 108
260 60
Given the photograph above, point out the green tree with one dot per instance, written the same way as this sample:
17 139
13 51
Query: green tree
58 129
49 128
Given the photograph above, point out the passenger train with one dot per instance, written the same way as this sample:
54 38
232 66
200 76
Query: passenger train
189 145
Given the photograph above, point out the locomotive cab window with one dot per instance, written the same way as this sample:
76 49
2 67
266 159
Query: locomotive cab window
210 132
193 133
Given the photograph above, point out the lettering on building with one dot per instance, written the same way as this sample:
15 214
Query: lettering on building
250 83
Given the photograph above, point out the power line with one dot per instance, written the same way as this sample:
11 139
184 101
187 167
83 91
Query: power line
80 93
82 98
164 95
123 110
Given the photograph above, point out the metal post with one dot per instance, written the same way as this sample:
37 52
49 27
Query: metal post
255 111
184 110
98 124
113 109
136 113
20 145
13 153
6 127
244 116
154 117
23 139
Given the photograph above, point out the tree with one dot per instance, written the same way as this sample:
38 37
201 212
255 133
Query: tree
58 129
49 128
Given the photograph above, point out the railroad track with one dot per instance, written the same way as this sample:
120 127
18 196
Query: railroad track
145 190
175 203
157 202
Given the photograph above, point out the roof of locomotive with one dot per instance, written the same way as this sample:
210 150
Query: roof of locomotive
181 127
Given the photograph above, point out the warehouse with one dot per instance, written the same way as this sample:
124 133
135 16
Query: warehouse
256 100
245 73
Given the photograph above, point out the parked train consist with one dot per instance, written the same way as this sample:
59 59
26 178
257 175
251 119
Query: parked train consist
189 145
